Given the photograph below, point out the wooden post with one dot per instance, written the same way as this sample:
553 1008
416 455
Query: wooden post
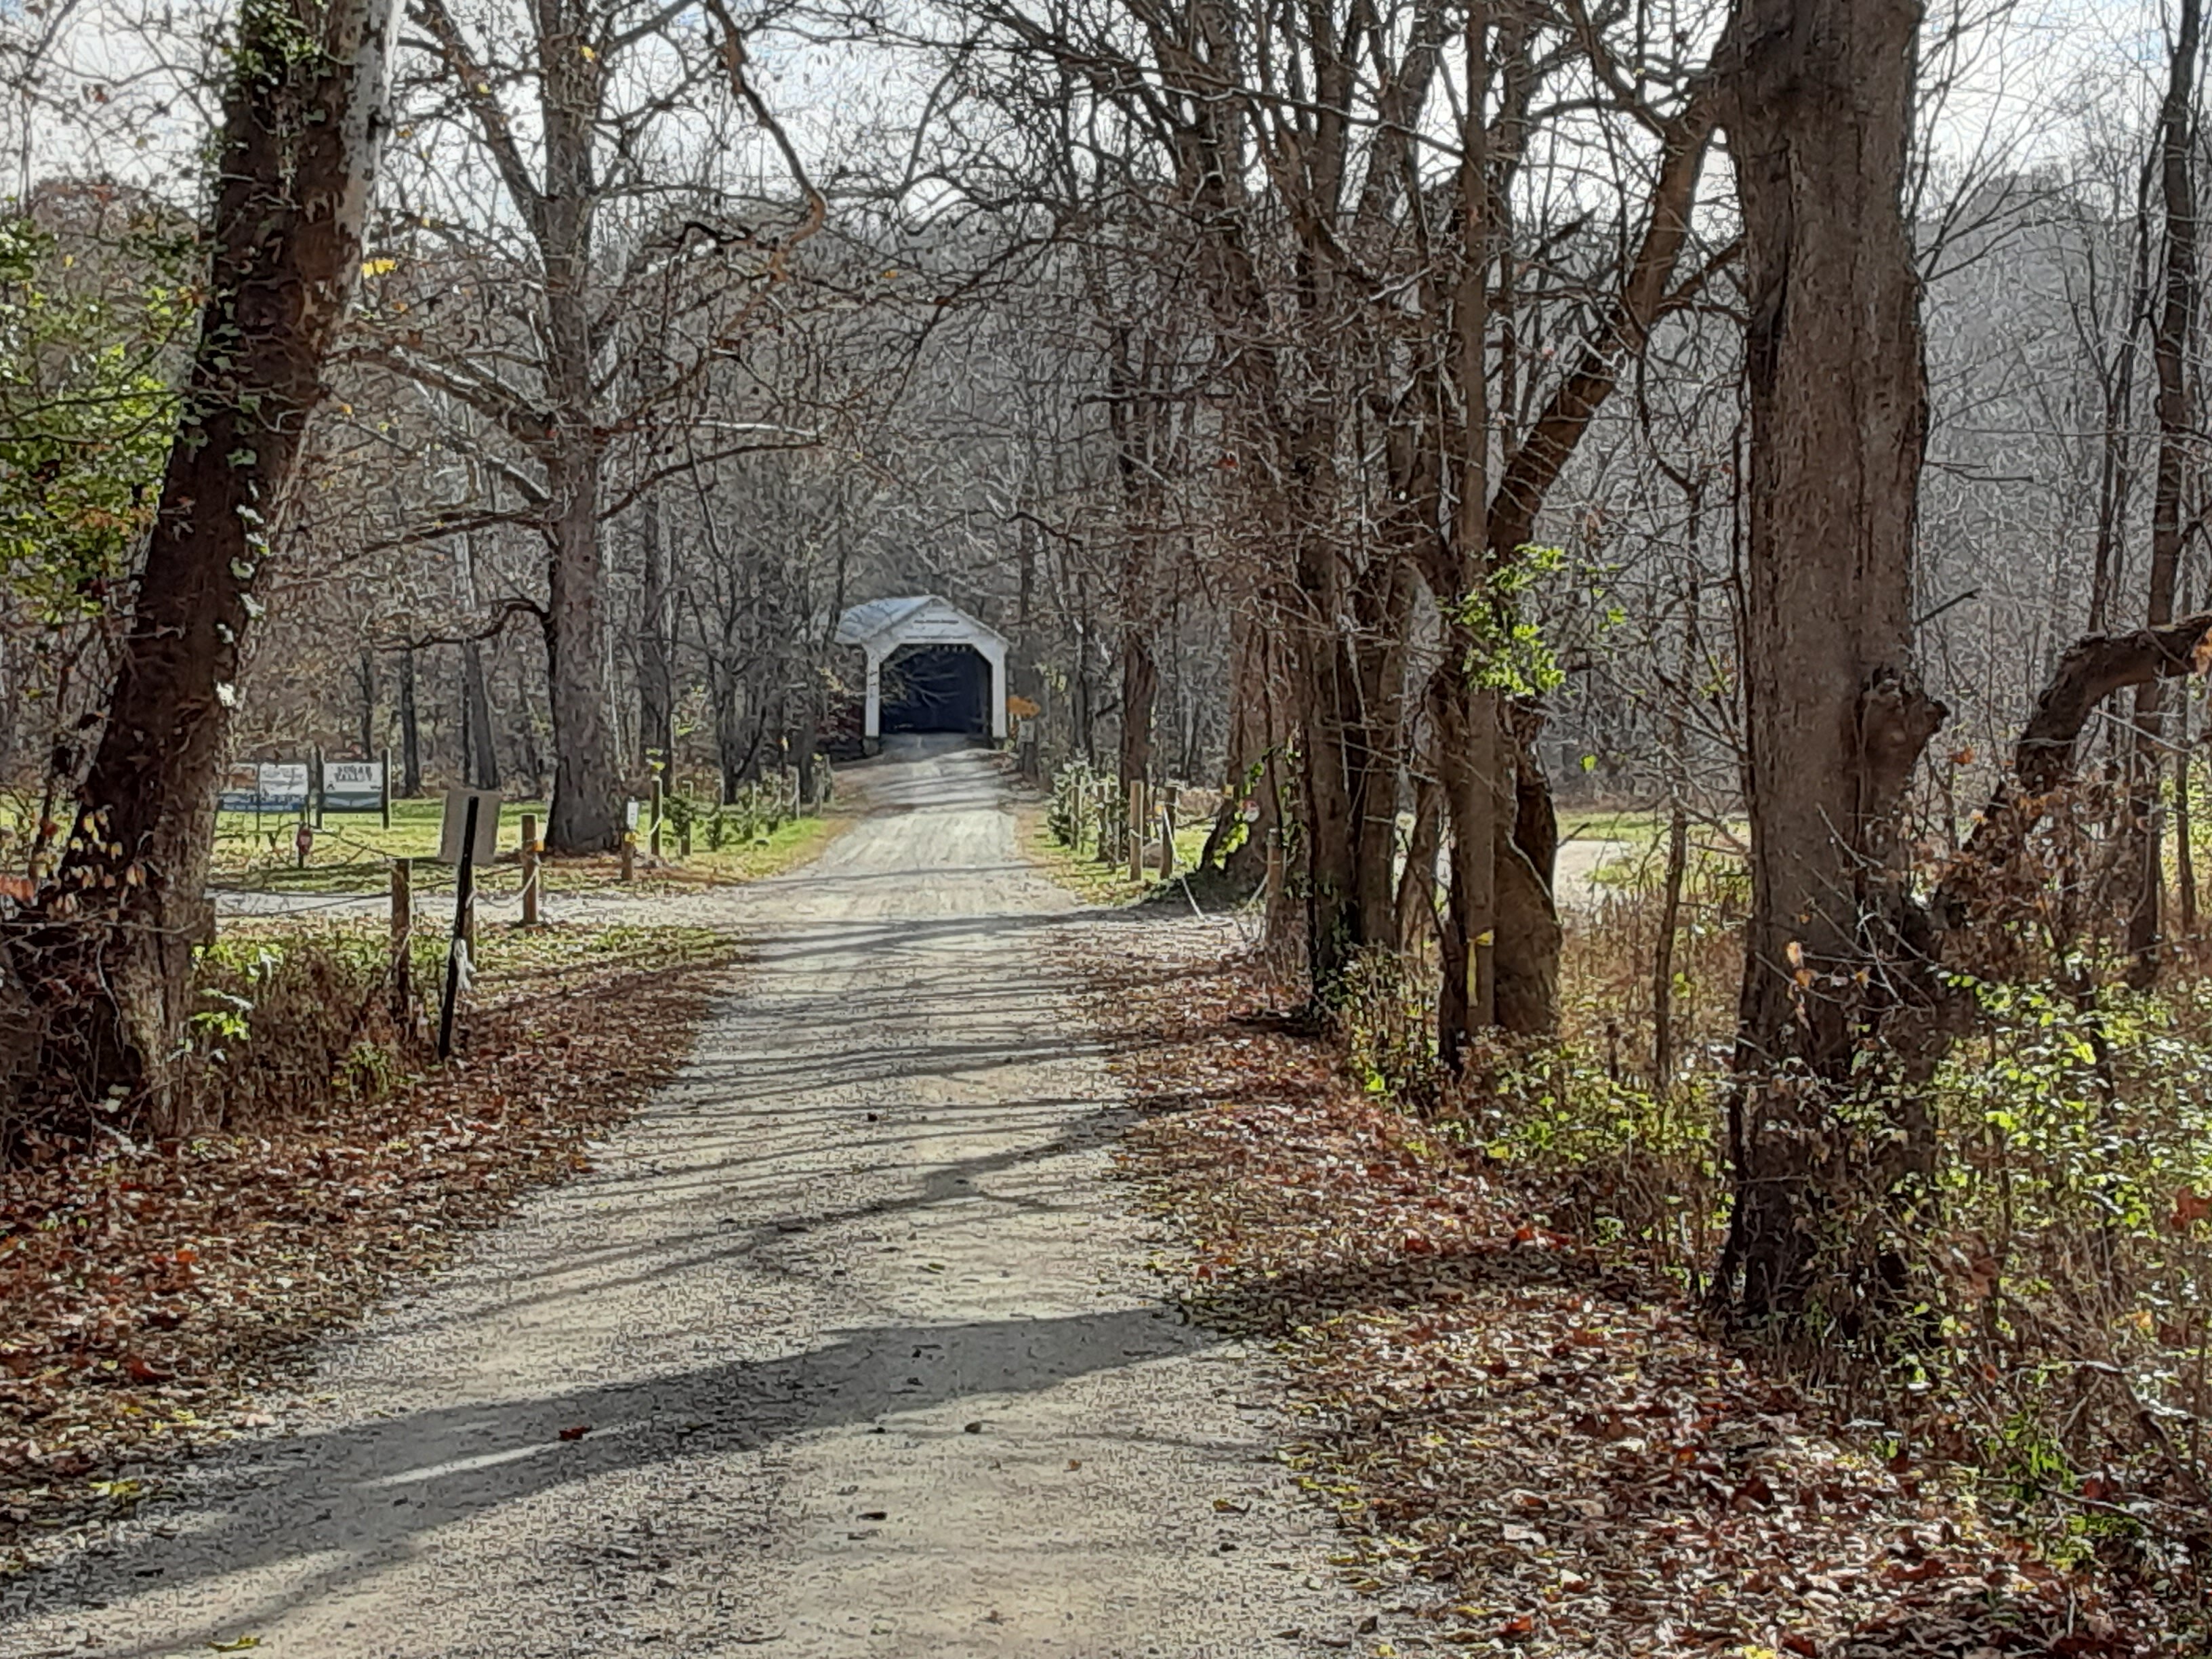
315 782
530 869
656 817
630 855
456 950
1167 831
1136 829
1104 853
402 929
384 801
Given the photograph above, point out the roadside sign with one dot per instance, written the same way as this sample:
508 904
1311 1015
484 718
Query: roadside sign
265 786
450 829
629 814
284 786
353 786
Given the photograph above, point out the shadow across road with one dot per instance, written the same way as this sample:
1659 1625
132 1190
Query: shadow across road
365 1494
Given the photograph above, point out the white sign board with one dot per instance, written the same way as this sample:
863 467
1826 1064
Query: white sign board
629 814
264 786
353 786
284 787
453 825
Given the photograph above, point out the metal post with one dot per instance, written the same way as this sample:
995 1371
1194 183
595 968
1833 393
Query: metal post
530 869
464 886
403 930
1136 829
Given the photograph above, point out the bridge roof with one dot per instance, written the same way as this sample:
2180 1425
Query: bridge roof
882 623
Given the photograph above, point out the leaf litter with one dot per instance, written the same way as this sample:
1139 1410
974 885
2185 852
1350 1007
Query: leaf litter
1529 1449
151 1297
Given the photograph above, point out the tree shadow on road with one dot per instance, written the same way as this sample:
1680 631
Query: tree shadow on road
367 1493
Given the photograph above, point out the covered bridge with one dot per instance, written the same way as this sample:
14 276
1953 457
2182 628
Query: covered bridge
932 667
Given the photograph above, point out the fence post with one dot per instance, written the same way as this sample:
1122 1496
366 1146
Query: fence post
383 795
630 855
1167 831
315 782
403 928
530 869
656 817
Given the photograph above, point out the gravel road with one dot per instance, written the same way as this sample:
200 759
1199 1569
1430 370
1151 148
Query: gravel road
855 1321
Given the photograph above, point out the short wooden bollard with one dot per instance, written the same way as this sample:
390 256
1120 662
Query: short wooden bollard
1136 829
656 817
630 856
1167 831
528 869
402 928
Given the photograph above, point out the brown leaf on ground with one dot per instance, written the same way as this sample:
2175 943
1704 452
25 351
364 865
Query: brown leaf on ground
1525 1446
149 1295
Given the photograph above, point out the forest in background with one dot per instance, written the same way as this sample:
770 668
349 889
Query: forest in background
1776 429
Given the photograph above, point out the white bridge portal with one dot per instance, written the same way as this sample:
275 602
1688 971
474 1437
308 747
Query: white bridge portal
922 639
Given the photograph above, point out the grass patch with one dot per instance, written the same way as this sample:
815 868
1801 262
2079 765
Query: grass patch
352 855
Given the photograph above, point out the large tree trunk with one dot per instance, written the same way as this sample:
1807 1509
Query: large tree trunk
2169 355
1817 105
109 952
586 813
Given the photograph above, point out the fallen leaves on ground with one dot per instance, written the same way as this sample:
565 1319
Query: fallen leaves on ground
147 1295
1530 1451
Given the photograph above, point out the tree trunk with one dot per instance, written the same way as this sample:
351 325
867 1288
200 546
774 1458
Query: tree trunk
1525 960
303 117
1255 756
1817 105
1417 882
1663 948
482 756
586 812
806 754
1141 688
365 676
1467 747
656 668
2169 355
410 728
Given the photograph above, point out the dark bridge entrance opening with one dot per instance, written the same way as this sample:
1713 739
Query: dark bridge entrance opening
937 688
